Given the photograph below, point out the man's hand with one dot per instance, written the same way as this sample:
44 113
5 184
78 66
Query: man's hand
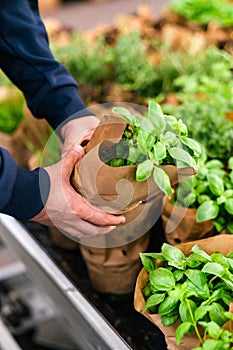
69 211
76 131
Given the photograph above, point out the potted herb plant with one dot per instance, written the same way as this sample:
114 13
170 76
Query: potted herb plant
202 205
187 291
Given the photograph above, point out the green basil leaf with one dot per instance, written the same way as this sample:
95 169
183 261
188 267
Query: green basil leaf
153 300
202 254
124 114
169 320
172 253
207 211
178 274
229 205
216 184
147 262
213 269
181 330
216 314
157 256
162 180
144 170
193 145
220 258
145 141
230 163
159 152
214 330
187 309
200 312
183 156
156 116
197 277
162 279
168 305
214 163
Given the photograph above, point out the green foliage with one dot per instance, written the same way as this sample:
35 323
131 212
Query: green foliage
89 63
210 191
11 110
150 141
206 97
191 289
204 12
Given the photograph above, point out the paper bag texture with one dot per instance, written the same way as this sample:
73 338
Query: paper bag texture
180 224
115 270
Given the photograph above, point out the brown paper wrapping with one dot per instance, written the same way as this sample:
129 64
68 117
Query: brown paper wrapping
221 243
115 270
180 224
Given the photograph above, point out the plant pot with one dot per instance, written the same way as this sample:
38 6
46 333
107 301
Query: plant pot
221 243
180 224
114 270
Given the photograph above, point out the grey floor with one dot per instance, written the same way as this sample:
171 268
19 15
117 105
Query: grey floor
85 15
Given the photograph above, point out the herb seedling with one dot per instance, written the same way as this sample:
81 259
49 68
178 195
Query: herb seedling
151 141
210 191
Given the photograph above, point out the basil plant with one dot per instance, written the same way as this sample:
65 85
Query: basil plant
153 140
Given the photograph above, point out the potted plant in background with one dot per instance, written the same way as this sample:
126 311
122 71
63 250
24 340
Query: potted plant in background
202 206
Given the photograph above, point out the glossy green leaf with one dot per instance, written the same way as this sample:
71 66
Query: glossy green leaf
159 152
229 205
147 262
183 156
187 309
162 180
144 170
153 300
192 144
168 305
156 116
181 330
216 184
124 114
169 320
171 253
213 269
162 279
207 211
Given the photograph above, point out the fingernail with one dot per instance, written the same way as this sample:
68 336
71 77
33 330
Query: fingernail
123 220
63 155
78 148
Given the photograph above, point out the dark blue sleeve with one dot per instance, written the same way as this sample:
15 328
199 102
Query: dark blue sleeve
23 192
25 57
50 92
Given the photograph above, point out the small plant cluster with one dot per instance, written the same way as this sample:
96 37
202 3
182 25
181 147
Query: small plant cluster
204 12
150 141
210 191
205 98
197 290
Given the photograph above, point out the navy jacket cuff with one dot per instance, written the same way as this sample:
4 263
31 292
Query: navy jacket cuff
29 193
